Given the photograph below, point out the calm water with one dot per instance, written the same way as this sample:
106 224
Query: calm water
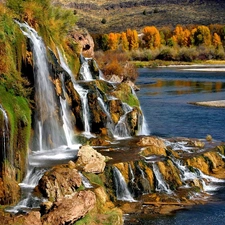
165 95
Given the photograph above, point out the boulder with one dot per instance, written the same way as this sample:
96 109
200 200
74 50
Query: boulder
69 209
59 181
152 141
90 160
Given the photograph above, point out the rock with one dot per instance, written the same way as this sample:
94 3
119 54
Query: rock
69 209
59 181
33 218
145 141
85 41
90 160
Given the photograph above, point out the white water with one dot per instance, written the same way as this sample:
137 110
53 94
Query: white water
85 70
5 137
85 181
47 130
122 129
161 185
83 96
122 191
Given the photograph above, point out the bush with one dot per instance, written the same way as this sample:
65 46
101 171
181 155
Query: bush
117 63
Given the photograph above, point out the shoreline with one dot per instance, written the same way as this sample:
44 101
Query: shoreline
163 63
217 104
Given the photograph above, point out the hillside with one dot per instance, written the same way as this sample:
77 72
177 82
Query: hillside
135 14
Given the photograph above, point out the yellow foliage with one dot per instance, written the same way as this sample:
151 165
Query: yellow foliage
151 37
216 40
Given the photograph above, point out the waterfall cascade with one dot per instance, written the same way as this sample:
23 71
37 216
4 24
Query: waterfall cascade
4 141
122 191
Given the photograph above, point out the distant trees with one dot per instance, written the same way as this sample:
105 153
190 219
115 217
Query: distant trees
179 43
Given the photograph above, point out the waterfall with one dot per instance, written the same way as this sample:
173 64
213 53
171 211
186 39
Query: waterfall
122 191
48 132
83 96
143 130
122 129
161 184
5 140
85 181
85 70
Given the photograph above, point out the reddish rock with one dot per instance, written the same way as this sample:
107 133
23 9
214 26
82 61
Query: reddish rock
59 181
69 209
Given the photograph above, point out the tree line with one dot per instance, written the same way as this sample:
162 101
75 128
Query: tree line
186 43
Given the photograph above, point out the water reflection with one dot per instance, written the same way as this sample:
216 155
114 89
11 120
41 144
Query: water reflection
165 93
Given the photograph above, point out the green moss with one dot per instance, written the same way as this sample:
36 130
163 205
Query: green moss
19 115
94 179
124 93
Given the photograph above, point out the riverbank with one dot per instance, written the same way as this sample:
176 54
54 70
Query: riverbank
160 63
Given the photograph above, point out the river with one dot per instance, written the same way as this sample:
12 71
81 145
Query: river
165 94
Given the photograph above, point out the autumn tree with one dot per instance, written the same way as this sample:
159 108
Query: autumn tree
182 37
132 37
124 41
151 37
113 41
216 40
201 36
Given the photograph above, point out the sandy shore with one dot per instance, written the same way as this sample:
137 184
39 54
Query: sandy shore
219 103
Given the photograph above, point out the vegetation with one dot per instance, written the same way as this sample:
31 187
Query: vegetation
186 44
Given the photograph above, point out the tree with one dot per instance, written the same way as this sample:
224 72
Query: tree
113 41
124 41
132 37
202 36
217 40
151 36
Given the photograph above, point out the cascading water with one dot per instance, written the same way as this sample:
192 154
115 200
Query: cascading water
50 146
122 191
85 70
4 141
122 129
82 93
48 133
161 185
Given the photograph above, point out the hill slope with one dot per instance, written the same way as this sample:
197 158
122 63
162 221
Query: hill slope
135 14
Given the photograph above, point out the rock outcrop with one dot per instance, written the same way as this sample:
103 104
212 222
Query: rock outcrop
69 209
89 160
59 181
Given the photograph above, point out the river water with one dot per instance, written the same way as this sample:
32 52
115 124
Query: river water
165 95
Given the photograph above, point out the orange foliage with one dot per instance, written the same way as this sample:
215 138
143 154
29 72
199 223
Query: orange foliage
132 37
217 40
151 37
124 41
113 41
181 36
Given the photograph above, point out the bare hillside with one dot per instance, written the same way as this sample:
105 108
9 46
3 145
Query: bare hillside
119 15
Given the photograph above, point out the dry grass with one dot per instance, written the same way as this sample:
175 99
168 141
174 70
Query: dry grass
159 14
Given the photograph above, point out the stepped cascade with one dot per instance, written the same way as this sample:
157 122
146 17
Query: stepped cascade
74 110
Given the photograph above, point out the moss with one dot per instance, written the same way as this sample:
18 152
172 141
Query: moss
124 93
94 179
19 115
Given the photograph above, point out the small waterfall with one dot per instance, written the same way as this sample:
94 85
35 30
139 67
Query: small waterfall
122 129
122 192
83 96
5 140
66 116
161 184
48 132
85 70
85 181
144 130
131 174
110 124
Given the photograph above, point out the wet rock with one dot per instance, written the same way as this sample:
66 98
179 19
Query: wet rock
59 181
153 141
67 210
90 160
